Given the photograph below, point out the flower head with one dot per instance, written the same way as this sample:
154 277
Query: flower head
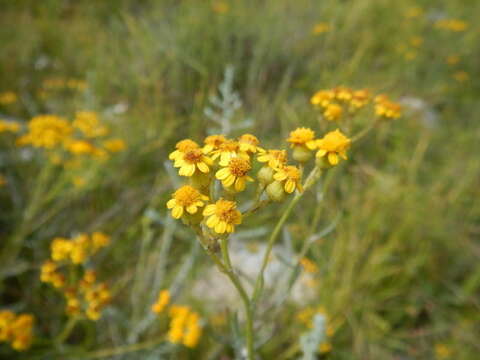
359 99
8 97
89 124
302 137
9 126
162 301
226 151
291 177
387 109
333 112
235 174
322 98
222 216
249 143
191 161
46 131
188 199
182 147
333 145
273 158
213 142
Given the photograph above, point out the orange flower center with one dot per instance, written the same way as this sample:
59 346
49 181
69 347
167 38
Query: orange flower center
186 196
186 145
229 146
239 167
226 211
215 140
193 156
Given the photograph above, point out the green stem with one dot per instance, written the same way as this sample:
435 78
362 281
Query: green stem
67 330
311 179
365 131
124 349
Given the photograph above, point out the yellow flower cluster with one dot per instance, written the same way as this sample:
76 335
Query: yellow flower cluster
8 97
454 25
231 162
305 317
334 103
84 136
321 28
16 329
9 126
184 325
385 108
86 296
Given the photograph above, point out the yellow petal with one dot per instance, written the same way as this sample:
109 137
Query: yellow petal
209 210
212 221
280 176
203 167
289 186
222 173
229 181
221 227
321 153
171 203
333 158
192 209
230 228
240 184
177 212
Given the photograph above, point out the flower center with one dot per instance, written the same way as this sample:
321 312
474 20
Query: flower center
239 167
193 156
292 172
186 195
215 140
226 211
229 146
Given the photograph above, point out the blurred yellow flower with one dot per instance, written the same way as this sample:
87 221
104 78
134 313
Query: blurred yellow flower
114 145
442 351
16 329
452 60
9 126
461 76
454 25
8 97
220 7
46 131
162 302
333 112
89 124
321 28
308 265
333 146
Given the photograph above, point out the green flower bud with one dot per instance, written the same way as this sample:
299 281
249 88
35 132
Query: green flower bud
275 191
301 154
265 175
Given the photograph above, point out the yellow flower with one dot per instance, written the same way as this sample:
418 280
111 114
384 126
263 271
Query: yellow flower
273 158
220 7
213 142
324 348
249 143
193 331
452 60
3 180
80 147
416 41
16 329
291 176
333 112
321 28
179 315
162 301
386 108
46 131
226 151
302 137
99 240
461 76
193 160
182 147
308 265
186 198
235 174
89 124
442 351
322 98
454 25
343 93
60 249
222 216
114 145
360 99
333 145
7 98
413 12
9 126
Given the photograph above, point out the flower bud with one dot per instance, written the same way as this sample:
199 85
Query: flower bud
301 154
265 175
276 191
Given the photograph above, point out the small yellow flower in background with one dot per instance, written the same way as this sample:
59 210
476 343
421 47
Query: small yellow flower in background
248 143
322 98
8 97
16 329
186 198
273 158
162 302
452 60
46 131
235 174
333 112
416 41
414 12
291 178
321 28
442 351
89 124
191 161
305 317
222 216
453 25
226 151
386 108
3 180
324 348
360 98
343 93
9 126
308 265
80 147
114 145
184 326
410 55
333 146
79 182
99 240
461 76
50 275
220 7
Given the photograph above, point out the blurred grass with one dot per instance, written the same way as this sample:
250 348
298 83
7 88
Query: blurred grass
402 266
